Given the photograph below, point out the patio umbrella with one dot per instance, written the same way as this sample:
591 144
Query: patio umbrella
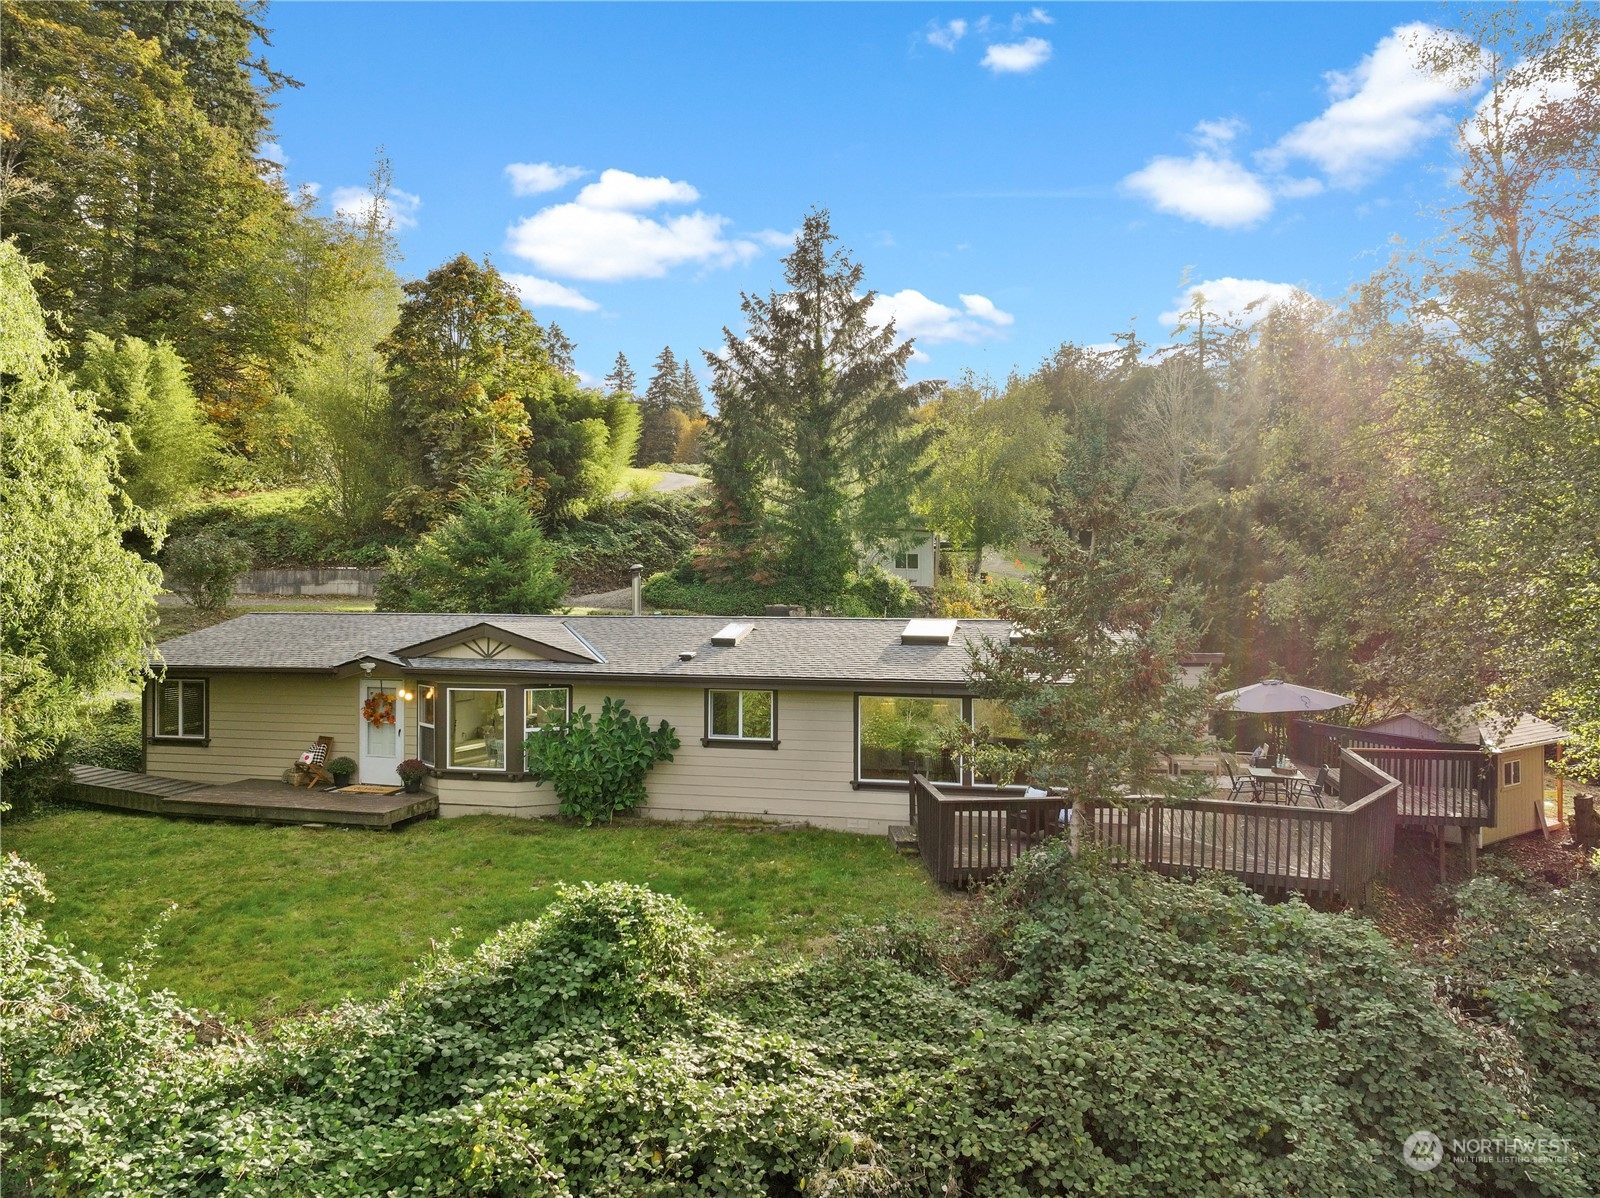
1274 697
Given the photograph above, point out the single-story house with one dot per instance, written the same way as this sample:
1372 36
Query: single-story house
786 718
1517 747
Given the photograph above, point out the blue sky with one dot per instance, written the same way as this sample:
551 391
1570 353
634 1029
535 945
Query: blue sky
1009 176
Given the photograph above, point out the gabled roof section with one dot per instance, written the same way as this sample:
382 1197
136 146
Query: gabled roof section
544 639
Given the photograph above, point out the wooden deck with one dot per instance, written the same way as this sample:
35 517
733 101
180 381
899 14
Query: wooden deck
965 837
258 800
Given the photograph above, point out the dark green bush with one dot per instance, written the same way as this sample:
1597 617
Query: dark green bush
204 567
109 735
1524 957
285 528
669 592
872 593
652 530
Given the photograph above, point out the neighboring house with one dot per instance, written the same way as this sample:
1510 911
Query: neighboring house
790 718
1517 748
913 556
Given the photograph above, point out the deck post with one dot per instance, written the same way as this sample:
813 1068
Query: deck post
1441 854
1469 841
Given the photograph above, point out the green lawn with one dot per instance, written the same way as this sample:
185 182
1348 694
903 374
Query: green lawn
274 919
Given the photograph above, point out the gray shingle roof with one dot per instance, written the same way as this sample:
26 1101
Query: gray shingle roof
814 650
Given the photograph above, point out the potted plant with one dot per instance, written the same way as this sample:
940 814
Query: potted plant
342 769
412 771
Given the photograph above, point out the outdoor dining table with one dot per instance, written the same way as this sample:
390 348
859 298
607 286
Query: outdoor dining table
1270 784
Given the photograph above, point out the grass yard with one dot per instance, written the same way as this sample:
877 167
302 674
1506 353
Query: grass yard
275 919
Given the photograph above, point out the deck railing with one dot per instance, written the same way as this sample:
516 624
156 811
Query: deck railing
967 836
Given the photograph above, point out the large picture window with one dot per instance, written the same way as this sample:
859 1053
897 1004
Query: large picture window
901 735
545 707
180 709
477 729
427 721
747 716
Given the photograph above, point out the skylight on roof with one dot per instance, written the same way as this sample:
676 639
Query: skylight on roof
731 634
928 632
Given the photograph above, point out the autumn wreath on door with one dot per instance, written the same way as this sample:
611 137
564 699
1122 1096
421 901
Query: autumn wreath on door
378 710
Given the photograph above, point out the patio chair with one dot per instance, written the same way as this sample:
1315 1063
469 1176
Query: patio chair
1238 778
312 766
1318 789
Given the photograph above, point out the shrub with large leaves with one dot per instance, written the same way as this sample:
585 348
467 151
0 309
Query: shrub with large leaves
598 766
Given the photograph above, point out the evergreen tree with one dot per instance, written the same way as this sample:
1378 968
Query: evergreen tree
560 349
1095 685
690 401
621 380
489 555
661 422
814 398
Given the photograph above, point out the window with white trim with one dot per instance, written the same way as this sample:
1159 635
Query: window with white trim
180 709
427 708
907 560
741 716
477 719
1511 773
545 707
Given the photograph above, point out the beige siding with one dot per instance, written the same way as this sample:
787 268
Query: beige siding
259 724
1514 805
467 796
806 778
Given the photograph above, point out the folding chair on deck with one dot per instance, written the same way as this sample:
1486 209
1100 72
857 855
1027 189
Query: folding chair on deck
312 767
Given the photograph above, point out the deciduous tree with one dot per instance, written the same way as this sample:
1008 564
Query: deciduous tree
74 604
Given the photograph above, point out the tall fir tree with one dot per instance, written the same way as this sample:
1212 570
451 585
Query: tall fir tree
661 421
690 401
1094 685
561 349
621 380
814 397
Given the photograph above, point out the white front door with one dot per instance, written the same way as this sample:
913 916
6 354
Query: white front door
383 744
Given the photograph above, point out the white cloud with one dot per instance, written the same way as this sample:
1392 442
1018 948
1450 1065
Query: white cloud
542 293
982 308
1213 135
947 35
1241 301
628 192
354 204
1017 58
1209 188
930 322
273 152
1381 110
535 178
1038 16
